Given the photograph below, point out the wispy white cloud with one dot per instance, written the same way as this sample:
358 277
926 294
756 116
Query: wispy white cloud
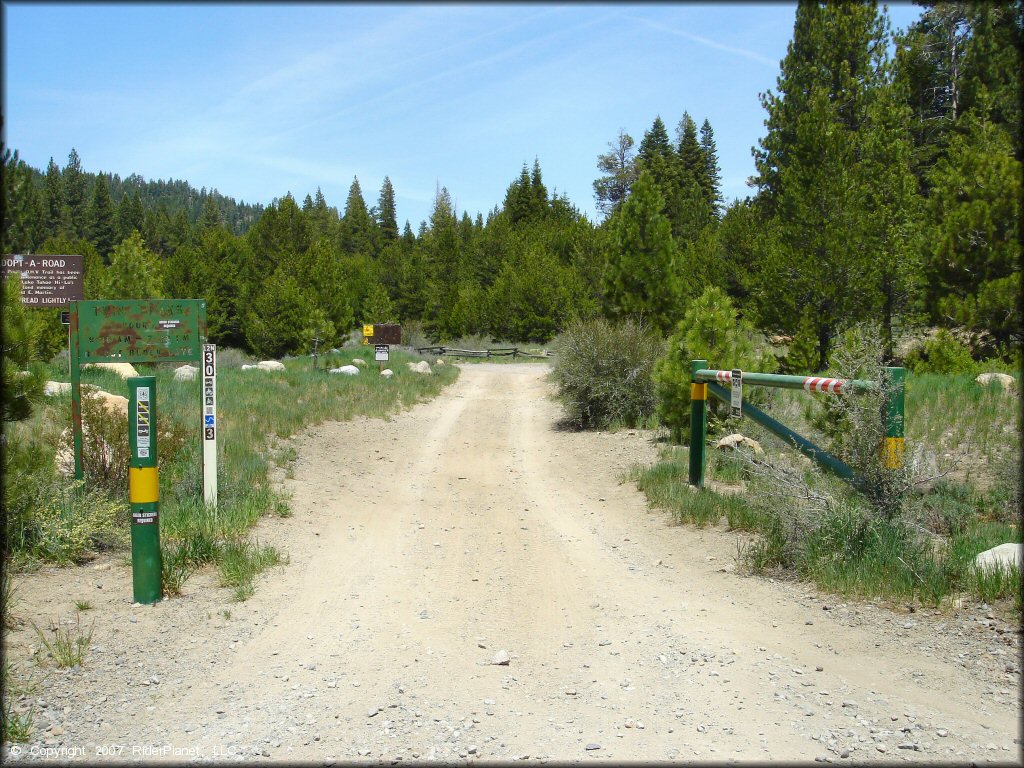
705 41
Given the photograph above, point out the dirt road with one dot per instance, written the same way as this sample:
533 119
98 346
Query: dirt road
424 546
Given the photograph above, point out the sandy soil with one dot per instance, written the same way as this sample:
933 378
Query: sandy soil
424 546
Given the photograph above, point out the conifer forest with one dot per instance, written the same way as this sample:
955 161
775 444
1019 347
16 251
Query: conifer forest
887 188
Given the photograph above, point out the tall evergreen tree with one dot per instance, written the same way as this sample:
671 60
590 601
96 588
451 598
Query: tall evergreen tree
387 218
712 171
53 200
690 152
973 259
640 279
814 179
835 48
659 159
131 216
356 225
75 195
102 217
444 267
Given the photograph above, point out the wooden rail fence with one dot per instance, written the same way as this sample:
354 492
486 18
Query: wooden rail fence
512 352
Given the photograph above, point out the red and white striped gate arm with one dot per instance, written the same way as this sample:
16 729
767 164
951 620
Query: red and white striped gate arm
819 384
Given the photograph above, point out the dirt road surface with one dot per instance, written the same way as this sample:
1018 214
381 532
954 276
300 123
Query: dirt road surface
424 548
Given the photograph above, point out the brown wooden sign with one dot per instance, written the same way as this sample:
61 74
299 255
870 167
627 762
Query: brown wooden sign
46 281
386 334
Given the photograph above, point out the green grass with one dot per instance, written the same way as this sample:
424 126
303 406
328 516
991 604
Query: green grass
83 605
17 726
69 644
256 410
927 555
241 561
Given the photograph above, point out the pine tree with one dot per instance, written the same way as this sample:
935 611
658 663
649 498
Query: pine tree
131 216
53 200
539 192
444 267
102 218
211 217
379 308
690 153
387 218
618 166
821 167
277 324
973 259
135 273
75 196
802 356
835 48
712 171
357 227
640 280
659 159
519 203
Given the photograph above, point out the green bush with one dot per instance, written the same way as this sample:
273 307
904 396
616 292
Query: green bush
941 354
709 331
603 372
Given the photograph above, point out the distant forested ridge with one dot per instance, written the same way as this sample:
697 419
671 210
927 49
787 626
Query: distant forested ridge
887 187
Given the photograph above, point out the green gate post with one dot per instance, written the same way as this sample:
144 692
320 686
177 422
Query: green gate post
892 413
698 423
143 490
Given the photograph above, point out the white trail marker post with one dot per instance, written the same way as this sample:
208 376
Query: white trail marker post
209 426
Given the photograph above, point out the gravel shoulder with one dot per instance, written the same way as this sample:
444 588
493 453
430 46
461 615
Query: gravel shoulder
424 546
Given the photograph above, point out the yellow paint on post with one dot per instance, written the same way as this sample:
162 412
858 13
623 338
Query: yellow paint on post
142 485
698 391
892 452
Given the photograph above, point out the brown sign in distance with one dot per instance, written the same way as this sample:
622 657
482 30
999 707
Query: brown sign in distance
46 281
386 334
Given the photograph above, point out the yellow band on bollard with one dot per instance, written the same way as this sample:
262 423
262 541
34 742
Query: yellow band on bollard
698 391
892 453
142 485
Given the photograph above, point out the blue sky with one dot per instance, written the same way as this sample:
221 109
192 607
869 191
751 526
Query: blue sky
261 100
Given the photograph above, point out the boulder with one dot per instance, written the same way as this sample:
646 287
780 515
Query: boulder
270 365
346 370
115 404
1004 380
439 362
358 361
735 440
186 373
421 367
1003 556
387 373
56 388
124 370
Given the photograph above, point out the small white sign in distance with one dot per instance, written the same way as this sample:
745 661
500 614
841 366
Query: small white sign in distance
737 392
381 352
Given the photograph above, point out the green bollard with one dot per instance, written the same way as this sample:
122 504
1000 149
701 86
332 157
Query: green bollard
893 415
698 424
143 490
